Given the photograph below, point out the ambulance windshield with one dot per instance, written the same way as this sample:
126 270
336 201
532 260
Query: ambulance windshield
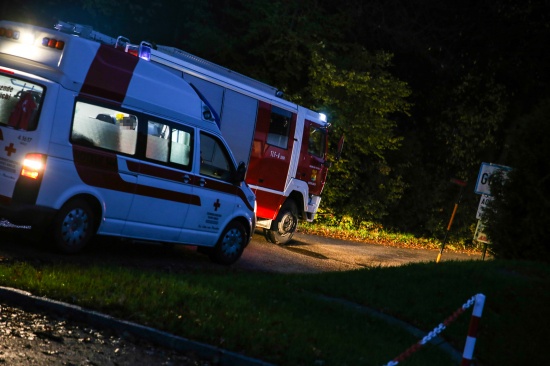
20 102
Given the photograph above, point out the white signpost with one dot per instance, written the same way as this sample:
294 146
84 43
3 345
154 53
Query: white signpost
483 187
485 199
484 178
480 235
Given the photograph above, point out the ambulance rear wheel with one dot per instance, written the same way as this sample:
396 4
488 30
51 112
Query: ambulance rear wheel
283 228
230 245
74 226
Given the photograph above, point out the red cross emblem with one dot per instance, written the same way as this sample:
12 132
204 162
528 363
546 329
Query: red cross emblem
217 204
10 149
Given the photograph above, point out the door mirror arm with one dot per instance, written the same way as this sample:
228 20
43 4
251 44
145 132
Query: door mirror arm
240 173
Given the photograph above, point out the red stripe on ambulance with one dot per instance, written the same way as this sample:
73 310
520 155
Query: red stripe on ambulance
100 169
110 74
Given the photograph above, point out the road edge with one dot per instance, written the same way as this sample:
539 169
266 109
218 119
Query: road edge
28 301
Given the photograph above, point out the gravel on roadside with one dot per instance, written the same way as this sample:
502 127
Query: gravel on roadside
36 338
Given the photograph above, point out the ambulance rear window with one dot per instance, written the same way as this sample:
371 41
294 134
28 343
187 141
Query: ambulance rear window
20 103
105 128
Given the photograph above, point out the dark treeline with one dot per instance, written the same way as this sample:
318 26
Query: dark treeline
424 90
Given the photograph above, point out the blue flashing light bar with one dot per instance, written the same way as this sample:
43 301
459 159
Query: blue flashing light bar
145 51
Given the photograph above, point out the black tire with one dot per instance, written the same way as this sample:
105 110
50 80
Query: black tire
283 228
74 226
230 245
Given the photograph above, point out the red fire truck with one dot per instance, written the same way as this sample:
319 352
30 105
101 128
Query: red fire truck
283 144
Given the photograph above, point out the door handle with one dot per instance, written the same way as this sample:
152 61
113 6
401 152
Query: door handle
186 178
202 182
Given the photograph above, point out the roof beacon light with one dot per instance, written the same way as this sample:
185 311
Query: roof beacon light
9 33
145 51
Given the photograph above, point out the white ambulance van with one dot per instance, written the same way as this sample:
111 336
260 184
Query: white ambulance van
95 140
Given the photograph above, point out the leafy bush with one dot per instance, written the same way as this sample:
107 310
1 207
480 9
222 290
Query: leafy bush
517 218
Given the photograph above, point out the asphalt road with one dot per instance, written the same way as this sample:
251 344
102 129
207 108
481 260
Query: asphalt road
304 254
311 253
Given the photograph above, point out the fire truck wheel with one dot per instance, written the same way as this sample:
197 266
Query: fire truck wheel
283 228
74 226
231 244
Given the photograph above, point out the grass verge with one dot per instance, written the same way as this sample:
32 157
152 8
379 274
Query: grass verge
281 318
376 234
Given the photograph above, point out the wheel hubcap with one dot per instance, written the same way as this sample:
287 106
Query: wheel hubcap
75 226
287 225
232 242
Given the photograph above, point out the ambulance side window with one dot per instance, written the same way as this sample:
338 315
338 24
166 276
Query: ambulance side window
99 126
169 144
20 103
215 161
279 127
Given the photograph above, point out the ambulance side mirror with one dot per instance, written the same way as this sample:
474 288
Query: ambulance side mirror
240 173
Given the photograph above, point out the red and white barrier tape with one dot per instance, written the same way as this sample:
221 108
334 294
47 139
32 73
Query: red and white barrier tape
478 300
472 330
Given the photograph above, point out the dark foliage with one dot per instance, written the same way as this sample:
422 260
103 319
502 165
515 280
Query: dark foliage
424 90
518 217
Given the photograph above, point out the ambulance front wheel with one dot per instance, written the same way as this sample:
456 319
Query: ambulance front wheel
230 245
74 226
284 226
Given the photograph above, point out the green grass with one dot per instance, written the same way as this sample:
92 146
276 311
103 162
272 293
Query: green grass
376 233
282 318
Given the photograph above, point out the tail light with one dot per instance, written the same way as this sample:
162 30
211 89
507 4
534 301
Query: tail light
34 166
